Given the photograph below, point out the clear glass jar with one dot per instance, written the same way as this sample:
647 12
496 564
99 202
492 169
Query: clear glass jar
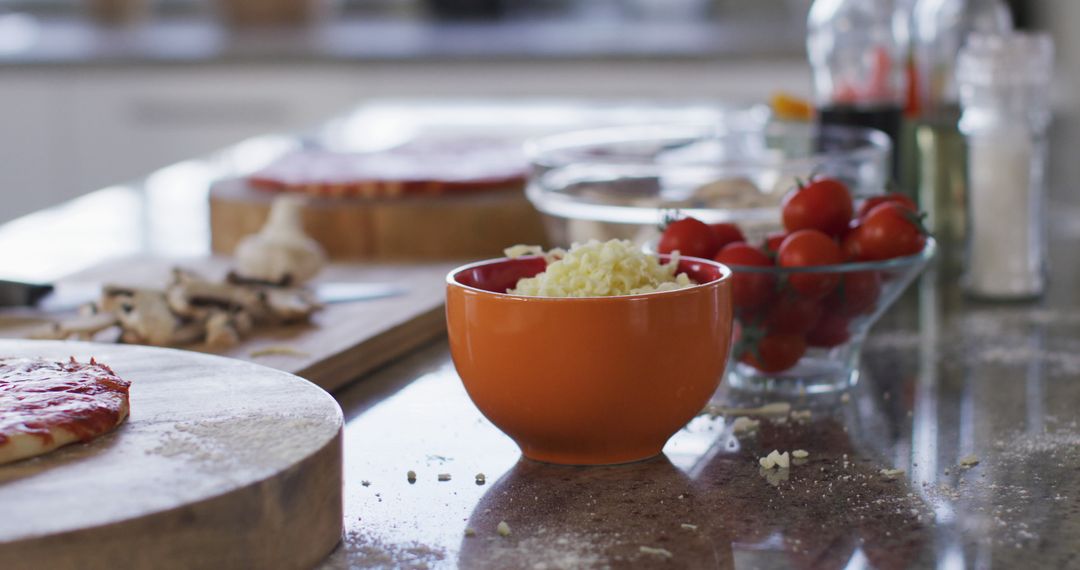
939 30
858 55
1004 84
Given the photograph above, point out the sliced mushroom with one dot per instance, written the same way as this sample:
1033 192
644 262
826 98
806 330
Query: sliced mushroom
146 319
181 275
237 279
114 297
50 331
85 327
220 330
192 298
189 332
243 322
290 305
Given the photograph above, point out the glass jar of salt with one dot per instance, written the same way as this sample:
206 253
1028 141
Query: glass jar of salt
1004 83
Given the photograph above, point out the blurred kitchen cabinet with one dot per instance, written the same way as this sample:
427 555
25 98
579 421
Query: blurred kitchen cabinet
35 111
69 129
129 122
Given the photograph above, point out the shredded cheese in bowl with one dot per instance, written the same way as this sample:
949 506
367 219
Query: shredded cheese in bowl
599 269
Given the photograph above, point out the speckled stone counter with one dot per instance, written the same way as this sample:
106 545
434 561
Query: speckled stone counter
944 381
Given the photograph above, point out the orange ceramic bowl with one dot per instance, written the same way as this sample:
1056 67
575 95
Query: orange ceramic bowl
593 380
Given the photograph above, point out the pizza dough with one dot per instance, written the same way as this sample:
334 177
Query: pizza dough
419 168
45 404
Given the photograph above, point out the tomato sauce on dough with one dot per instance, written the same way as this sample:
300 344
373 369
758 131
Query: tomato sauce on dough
37 396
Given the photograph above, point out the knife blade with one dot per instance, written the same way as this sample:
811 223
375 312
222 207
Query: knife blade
69 296
19 294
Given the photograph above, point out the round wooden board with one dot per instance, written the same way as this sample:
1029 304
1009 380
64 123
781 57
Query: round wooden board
466 226
221 464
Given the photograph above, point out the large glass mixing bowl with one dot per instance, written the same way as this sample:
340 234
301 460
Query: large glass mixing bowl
621 182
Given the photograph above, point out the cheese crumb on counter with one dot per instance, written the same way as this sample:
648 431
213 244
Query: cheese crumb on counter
661 552
891 473
688 526
606 269
503 529
969 461
743 424
800 454
802 415
775 459
768 410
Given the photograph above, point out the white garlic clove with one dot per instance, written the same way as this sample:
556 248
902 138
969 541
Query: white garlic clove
281 252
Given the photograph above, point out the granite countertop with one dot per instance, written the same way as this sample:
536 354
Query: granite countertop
944 381
29 41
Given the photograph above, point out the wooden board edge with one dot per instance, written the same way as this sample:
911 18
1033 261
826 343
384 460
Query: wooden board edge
350 365
298 521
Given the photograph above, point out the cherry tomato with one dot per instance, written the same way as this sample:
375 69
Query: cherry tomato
857 294
793 315
810 248
775 352
726 233
889 230
748 290
830 331
824 205
875 201
773 241
690 237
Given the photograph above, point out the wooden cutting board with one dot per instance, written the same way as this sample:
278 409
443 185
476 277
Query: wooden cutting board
342 343
221 464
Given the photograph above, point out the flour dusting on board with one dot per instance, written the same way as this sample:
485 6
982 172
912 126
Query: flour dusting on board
226 444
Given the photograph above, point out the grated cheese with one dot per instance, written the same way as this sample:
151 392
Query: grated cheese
596 269
519 250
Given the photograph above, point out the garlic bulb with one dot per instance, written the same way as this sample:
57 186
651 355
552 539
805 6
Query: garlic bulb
281 252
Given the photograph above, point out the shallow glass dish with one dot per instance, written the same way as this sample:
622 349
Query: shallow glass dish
784 302
621 182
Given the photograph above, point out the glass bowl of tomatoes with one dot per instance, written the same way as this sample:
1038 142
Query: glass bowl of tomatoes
801 329
620 182
805 297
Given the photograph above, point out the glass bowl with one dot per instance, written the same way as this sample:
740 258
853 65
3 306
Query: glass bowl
826 311
621 182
